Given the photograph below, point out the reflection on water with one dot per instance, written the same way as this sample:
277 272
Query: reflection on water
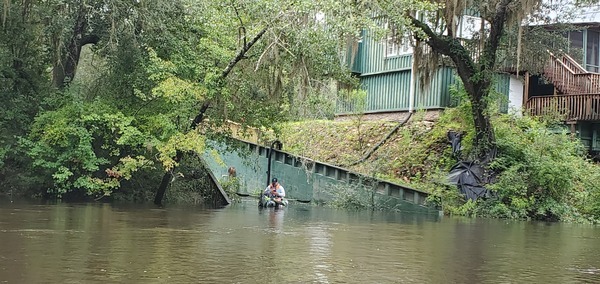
320 251
98 243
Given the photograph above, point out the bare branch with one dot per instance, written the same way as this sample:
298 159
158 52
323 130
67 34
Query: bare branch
262 55
242 52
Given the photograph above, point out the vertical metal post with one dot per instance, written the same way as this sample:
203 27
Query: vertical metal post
277 144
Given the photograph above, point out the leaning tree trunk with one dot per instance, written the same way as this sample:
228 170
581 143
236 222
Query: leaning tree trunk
162 188
65 66
164 183
478 90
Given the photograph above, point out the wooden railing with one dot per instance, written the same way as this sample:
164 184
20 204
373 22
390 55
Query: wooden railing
572 64
570 78
566 107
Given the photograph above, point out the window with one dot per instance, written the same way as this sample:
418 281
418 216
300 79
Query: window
576 38
576 46
397 44
592 51
470 26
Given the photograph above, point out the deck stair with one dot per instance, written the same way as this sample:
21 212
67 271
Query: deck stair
578 92
570 78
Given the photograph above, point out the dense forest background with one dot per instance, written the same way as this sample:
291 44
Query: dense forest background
97 93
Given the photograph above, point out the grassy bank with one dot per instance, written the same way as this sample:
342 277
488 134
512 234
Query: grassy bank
408 157
539 173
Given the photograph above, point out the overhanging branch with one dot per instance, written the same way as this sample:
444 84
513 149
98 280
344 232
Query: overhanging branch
496 29
242 52
448 46
160 192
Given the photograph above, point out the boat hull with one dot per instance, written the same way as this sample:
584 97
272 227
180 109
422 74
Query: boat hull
266 201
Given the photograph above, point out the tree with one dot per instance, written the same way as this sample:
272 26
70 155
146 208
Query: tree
267 31
475 59
200 116
131 101
68 49
93 133
22 86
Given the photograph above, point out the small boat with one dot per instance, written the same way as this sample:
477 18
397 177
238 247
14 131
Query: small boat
266 201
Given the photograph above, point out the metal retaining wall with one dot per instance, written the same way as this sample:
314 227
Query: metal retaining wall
304 179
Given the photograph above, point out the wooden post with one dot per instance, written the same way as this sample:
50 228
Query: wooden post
594 144
526 90
573 123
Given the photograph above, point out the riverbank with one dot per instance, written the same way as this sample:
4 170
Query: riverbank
408 157
539 173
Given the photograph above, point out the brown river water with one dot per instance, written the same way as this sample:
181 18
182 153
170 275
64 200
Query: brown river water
133 243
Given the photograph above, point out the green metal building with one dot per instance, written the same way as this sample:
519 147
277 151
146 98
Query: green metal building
385 70
569 86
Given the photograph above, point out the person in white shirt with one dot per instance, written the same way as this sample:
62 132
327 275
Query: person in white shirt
275 191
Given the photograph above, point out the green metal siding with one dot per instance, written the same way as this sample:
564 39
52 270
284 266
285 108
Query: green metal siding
437 93
391 92
387 92
303 179
373 60
503 87
387 82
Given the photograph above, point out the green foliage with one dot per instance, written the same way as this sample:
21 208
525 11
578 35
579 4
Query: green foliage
23 77
359 101
231 185
154 63
353 196
542 174
191 183
539 173
448 199
190 141
78 145
128 110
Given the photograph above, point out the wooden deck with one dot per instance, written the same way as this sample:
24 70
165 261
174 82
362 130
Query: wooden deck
578 97
580 107
570 78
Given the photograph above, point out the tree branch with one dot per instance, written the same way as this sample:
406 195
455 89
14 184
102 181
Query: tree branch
242 52
160 192
448 46
497 26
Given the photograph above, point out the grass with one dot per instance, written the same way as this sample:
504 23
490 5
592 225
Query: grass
412 156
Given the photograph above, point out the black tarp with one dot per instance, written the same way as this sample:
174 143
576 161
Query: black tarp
466 175
454 138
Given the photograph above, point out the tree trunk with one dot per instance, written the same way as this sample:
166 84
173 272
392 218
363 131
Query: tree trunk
162 188
476 78
65 66
484 141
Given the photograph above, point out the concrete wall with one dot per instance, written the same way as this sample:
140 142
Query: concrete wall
515 96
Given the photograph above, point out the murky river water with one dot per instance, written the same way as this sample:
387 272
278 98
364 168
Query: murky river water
108 243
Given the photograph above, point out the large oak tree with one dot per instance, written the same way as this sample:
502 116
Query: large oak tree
436 25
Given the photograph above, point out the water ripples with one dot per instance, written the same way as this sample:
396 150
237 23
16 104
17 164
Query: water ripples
101 243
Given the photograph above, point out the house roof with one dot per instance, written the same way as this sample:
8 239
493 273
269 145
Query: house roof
585 16
588 15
